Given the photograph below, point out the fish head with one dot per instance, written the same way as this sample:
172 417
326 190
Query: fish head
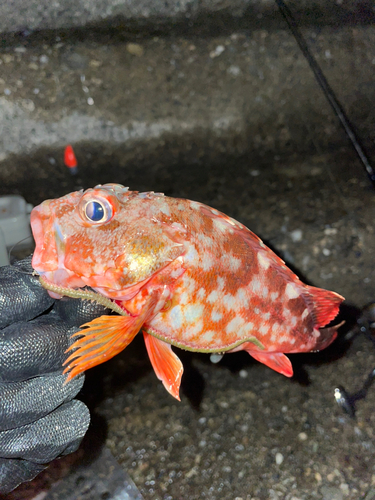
106 238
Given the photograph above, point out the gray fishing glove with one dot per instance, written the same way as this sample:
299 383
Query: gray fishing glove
39 419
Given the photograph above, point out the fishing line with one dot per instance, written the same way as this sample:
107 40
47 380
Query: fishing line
15 267
14 246
347 401
327 90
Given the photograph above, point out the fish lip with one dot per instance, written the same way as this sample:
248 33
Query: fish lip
37 230
39 219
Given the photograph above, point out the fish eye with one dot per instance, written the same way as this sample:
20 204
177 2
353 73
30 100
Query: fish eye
98 211
97 206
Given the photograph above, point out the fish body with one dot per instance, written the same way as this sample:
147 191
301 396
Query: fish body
184 273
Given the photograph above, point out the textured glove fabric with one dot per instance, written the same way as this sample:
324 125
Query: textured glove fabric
53 438
21 296
39 419
15 472
18 405
33 348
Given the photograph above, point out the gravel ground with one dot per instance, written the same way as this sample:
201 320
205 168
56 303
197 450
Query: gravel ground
235 121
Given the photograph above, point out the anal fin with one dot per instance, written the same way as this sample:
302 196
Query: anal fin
167 366
275 360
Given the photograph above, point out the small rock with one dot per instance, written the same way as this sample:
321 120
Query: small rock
192 472
279 458
74 60
331 493
329 231
302 436
94 63
344 487
296 235
135 49
28 104
216 357
219 50
234 70
316 171
7 58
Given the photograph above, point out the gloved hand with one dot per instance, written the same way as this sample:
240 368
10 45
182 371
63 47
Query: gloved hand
39 419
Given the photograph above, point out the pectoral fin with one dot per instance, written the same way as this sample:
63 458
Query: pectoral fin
103 338
275 360
167 366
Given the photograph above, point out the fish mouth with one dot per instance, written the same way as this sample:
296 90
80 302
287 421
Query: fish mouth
48 257
45 254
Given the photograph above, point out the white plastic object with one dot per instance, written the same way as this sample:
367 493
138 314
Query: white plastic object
4 259
14 223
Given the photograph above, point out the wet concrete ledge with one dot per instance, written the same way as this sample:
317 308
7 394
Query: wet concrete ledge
175 16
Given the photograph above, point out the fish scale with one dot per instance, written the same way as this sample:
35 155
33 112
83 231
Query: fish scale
184 273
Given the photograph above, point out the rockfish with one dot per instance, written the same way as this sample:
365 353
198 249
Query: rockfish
183 273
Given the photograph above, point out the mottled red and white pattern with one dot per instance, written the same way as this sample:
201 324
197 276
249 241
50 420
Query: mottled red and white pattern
213 284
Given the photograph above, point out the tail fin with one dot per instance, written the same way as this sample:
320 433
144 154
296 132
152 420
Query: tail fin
324 305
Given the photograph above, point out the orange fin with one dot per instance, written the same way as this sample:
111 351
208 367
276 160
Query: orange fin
167 366
275 360
325 305
327 336
104 338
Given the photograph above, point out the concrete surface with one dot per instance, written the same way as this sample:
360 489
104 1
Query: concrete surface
149 15
42 15
232 118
